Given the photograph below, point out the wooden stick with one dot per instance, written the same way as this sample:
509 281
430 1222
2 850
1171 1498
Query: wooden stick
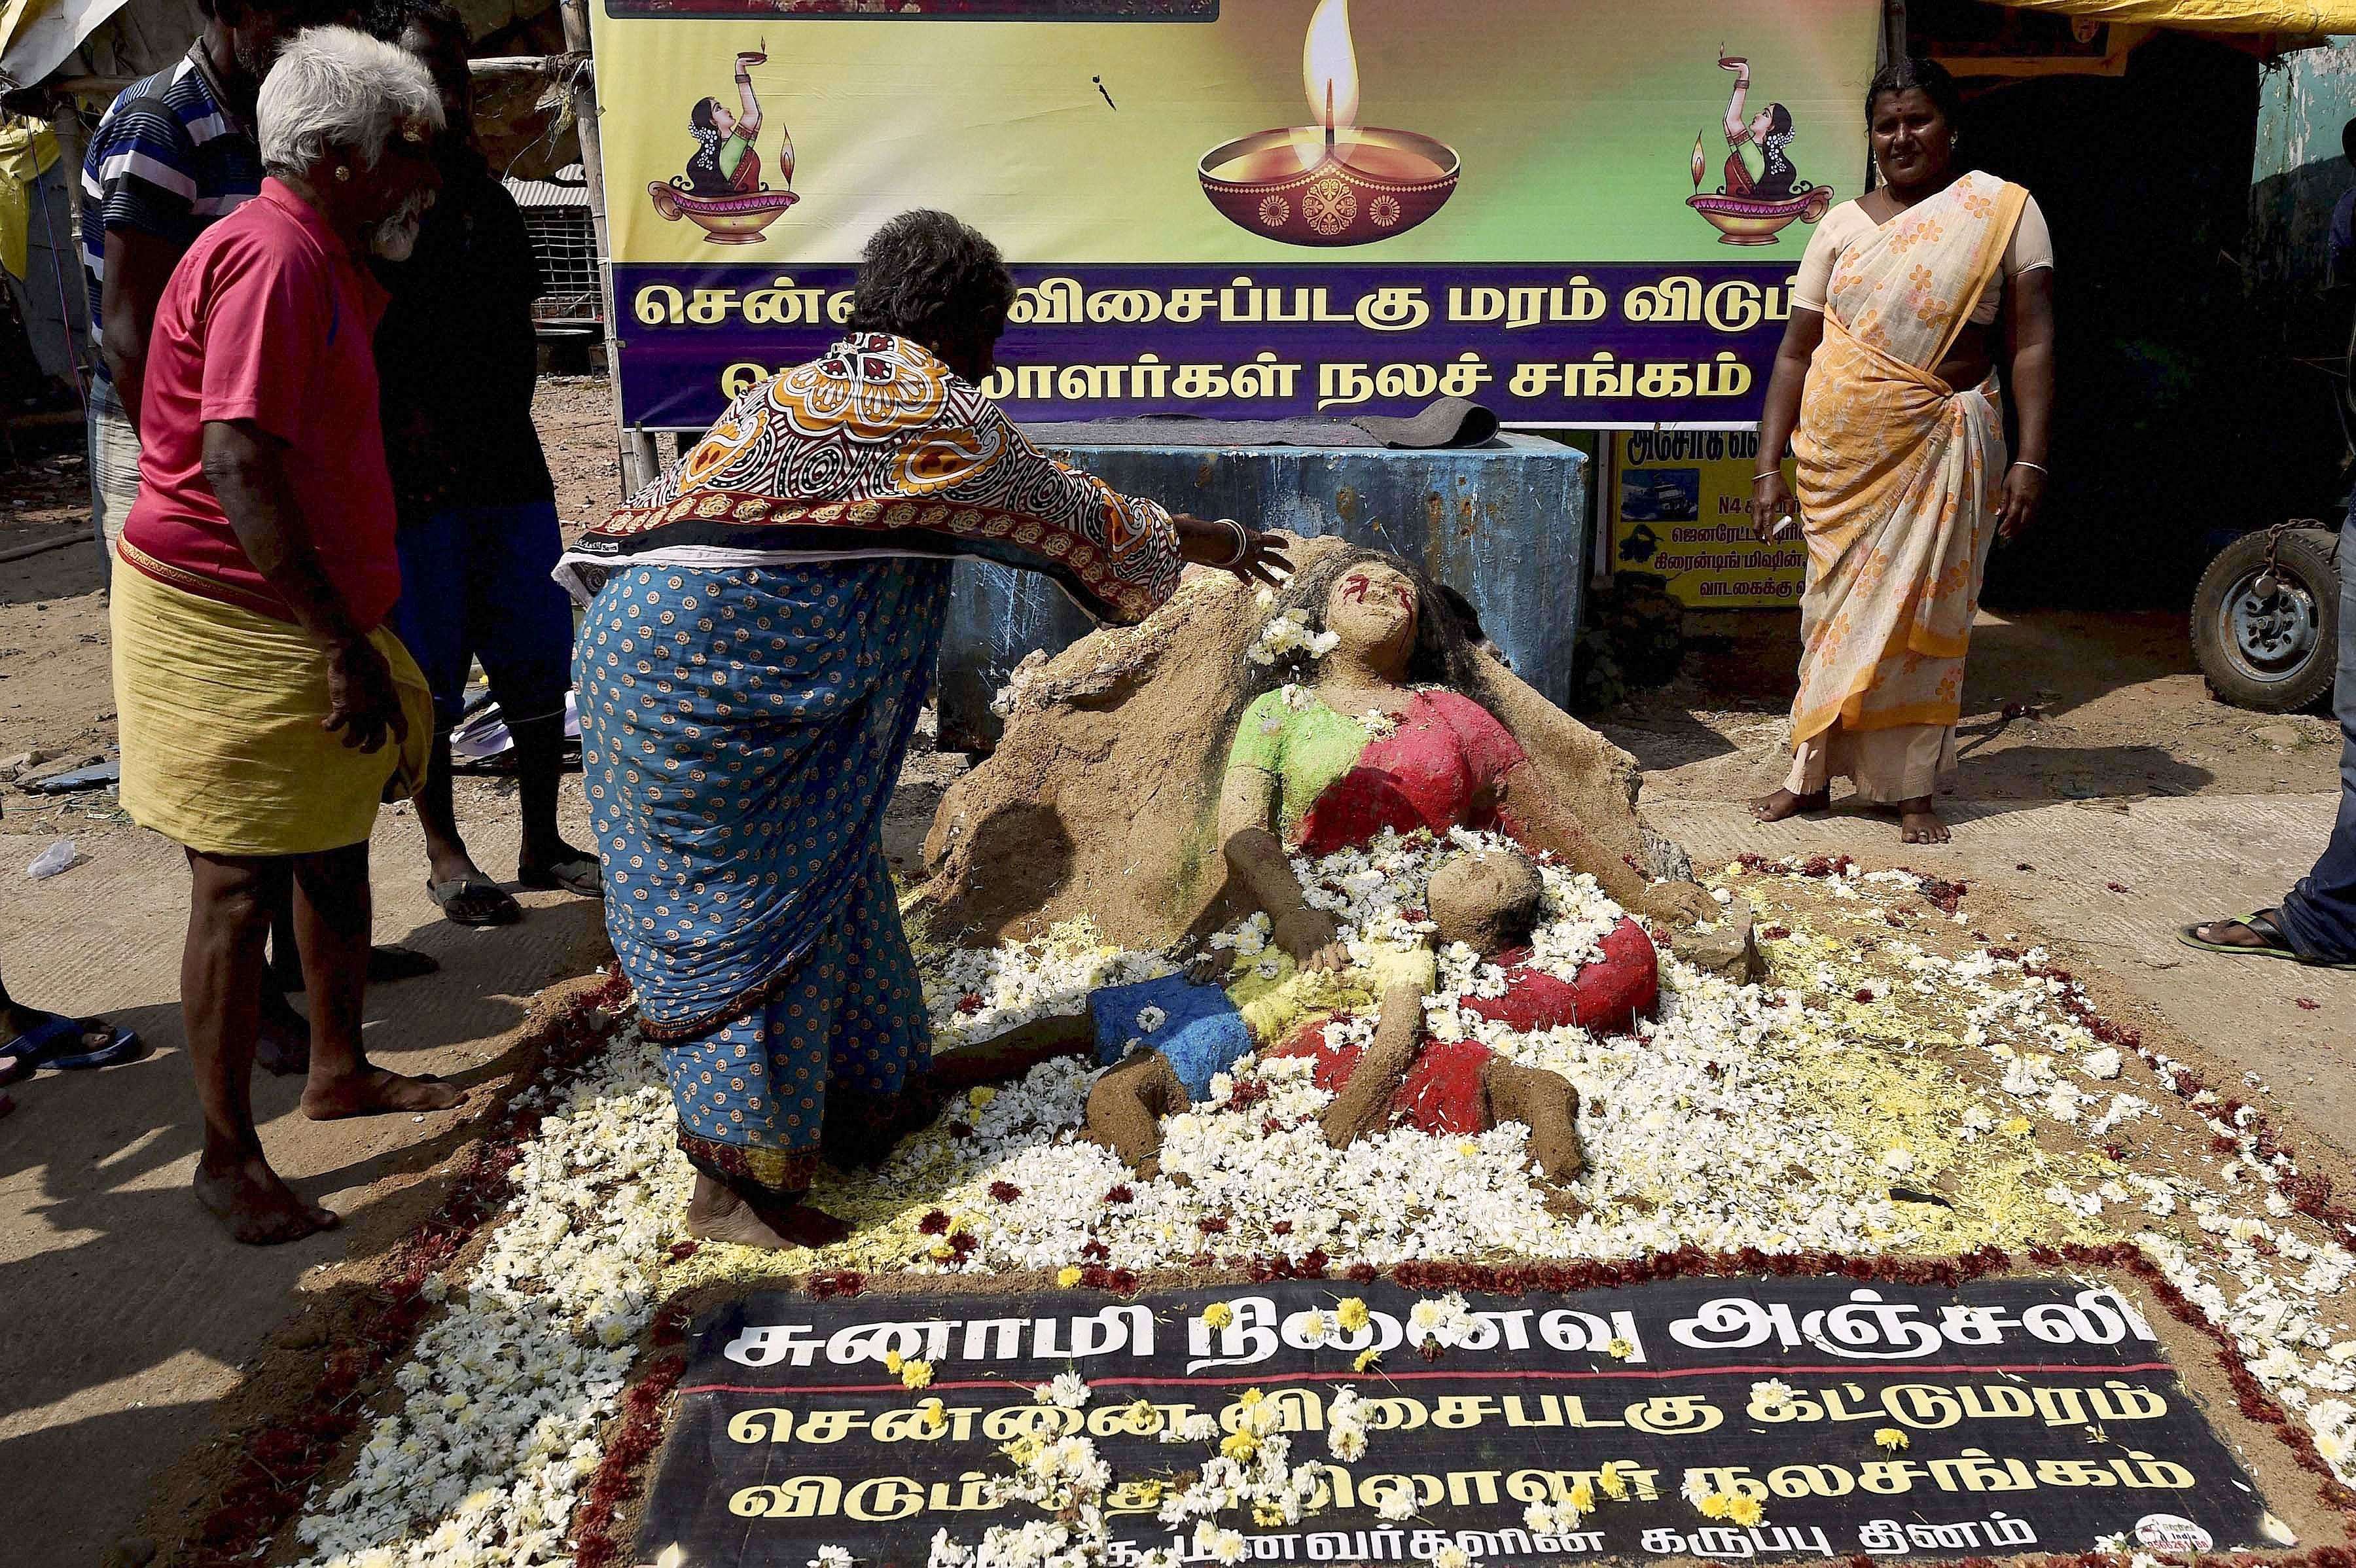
636 450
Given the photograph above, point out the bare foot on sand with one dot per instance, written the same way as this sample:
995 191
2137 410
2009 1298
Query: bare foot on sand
1918 823
259 1209
716 1214
377 1092
1783 803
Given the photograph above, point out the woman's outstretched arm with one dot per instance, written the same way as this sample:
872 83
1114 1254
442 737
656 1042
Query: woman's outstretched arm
1738 126
1543 822
748 123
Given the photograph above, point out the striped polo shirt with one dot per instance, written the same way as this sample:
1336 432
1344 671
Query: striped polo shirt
169 158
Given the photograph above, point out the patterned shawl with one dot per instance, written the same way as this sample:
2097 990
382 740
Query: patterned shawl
877 448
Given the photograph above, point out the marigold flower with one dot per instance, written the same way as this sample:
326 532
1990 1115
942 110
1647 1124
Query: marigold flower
1717 1505
979 1095
1609 1479
1891 1438
1068 1276
915 1374
1219 1315
891 1362
1366 1360
1746 1511
1351 1314
1240 1447
1620 1350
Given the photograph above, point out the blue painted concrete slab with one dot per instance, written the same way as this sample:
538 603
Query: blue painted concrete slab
1506 524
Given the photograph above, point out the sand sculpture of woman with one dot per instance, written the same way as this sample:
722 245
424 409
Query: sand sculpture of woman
1385 730
1381 733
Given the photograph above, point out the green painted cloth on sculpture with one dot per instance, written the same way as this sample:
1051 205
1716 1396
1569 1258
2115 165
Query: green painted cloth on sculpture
1306 748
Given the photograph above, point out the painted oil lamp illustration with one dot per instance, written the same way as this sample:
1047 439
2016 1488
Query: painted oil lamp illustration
721 191
1755 205
1334 182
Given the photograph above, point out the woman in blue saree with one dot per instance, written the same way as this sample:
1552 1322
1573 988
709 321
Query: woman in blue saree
761 630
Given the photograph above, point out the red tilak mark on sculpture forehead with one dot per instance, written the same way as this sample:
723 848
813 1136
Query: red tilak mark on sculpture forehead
1357 586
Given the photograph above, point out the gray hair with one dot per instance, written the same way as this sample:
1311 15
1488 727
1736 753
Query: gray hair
338 87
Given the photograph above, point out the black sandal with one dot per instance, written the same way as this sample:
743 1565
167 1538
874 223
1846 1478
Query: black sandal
474 901
577 875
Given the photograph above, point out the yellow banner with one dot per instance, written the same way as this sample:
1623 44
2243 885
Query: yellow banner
1681 510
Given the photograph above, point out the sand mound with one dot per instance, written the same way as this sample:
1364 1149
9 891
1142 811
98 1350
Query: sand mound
1102 799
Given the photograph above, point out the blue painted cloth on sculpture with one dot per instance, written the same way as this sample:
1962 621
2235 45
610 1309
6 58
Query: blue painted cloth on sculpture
1201 1033
741 731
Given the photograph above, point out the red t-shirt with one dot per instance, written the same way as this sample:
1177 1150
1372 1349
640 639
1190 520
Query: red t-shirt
267 318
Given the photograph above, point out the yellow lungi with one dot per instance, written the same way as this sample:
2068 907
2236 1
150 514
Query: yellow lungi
220 710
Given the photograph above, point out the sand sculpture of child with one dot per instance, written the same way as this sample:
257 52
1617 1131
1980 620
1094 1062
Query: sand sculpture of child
1382 731
1489 900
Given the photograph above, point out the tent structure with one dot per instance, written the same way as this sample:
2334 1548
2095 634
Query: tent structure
2286 18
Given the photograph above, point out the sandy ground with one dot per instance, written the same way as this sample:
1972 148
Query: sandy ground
2103 795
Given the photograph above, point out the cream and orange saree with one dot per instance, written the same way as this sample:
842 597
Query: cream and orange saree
1897 476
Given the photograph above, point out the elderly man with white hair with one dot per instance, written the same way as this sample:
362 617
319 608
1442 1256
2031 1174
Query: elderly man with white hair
266 709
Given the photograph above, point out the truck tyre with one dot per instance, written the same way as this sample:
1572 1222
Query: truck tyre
2275 655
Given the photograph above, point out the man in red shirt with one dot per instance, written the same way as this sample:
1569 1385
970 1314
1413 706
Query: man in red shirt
265 710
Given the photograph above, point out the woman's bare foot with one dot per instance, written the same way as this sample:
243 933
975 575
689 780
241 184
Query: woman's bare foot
259 1209
1918 823
377 1092
1784 803
716 1214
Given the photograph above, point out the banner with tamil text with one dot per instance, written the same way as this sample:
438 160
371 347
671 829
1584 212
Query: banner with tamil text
1828 1420
1681 510
1578 212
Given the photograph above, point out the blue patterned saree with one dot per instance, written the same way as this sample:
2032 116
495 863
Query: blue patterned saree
741 731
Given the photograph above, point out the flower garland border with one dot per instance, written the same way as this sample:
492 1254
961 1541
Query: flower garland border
278 1464
2310 1192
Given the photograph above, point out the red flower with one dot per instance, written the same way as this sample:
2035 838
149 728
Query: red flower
1004 1191
1121 1194
935 1223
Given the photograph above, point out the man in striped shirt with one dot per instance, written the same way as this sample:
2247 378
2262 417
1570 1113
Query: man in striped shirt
173 153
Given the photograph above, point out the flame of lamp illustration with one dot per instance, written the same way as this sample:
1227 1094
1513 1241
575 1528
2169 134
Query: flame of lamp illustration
1331 182
1700 163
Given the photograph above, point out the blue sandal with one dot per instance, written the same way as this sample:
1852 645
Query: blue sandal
54 1041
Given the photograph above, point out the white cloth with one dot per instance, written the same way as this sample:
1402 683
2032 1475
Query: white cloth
2031 247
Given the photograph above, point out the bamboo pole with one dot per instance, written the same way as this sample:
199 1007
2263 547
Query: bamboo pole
637 448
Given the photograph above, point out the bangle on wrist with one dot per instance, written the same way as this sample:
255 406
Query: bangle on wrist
2025 463
1769 474
1243 544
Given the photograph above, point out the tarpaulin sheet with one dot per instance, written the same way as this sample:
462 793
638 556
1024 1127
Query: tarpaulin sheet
2299 17
36 36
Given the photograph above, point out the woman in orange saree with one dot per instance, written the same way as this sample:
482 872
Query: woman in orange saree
1885 388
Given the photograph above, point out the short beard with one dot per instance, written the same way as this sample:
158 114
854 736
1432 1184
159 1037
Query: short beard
394 236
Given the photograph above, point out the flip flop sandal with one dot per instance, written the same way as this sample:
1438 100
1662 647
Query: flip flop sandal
578 876
52 1035
122 1045
472 901
2260 921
